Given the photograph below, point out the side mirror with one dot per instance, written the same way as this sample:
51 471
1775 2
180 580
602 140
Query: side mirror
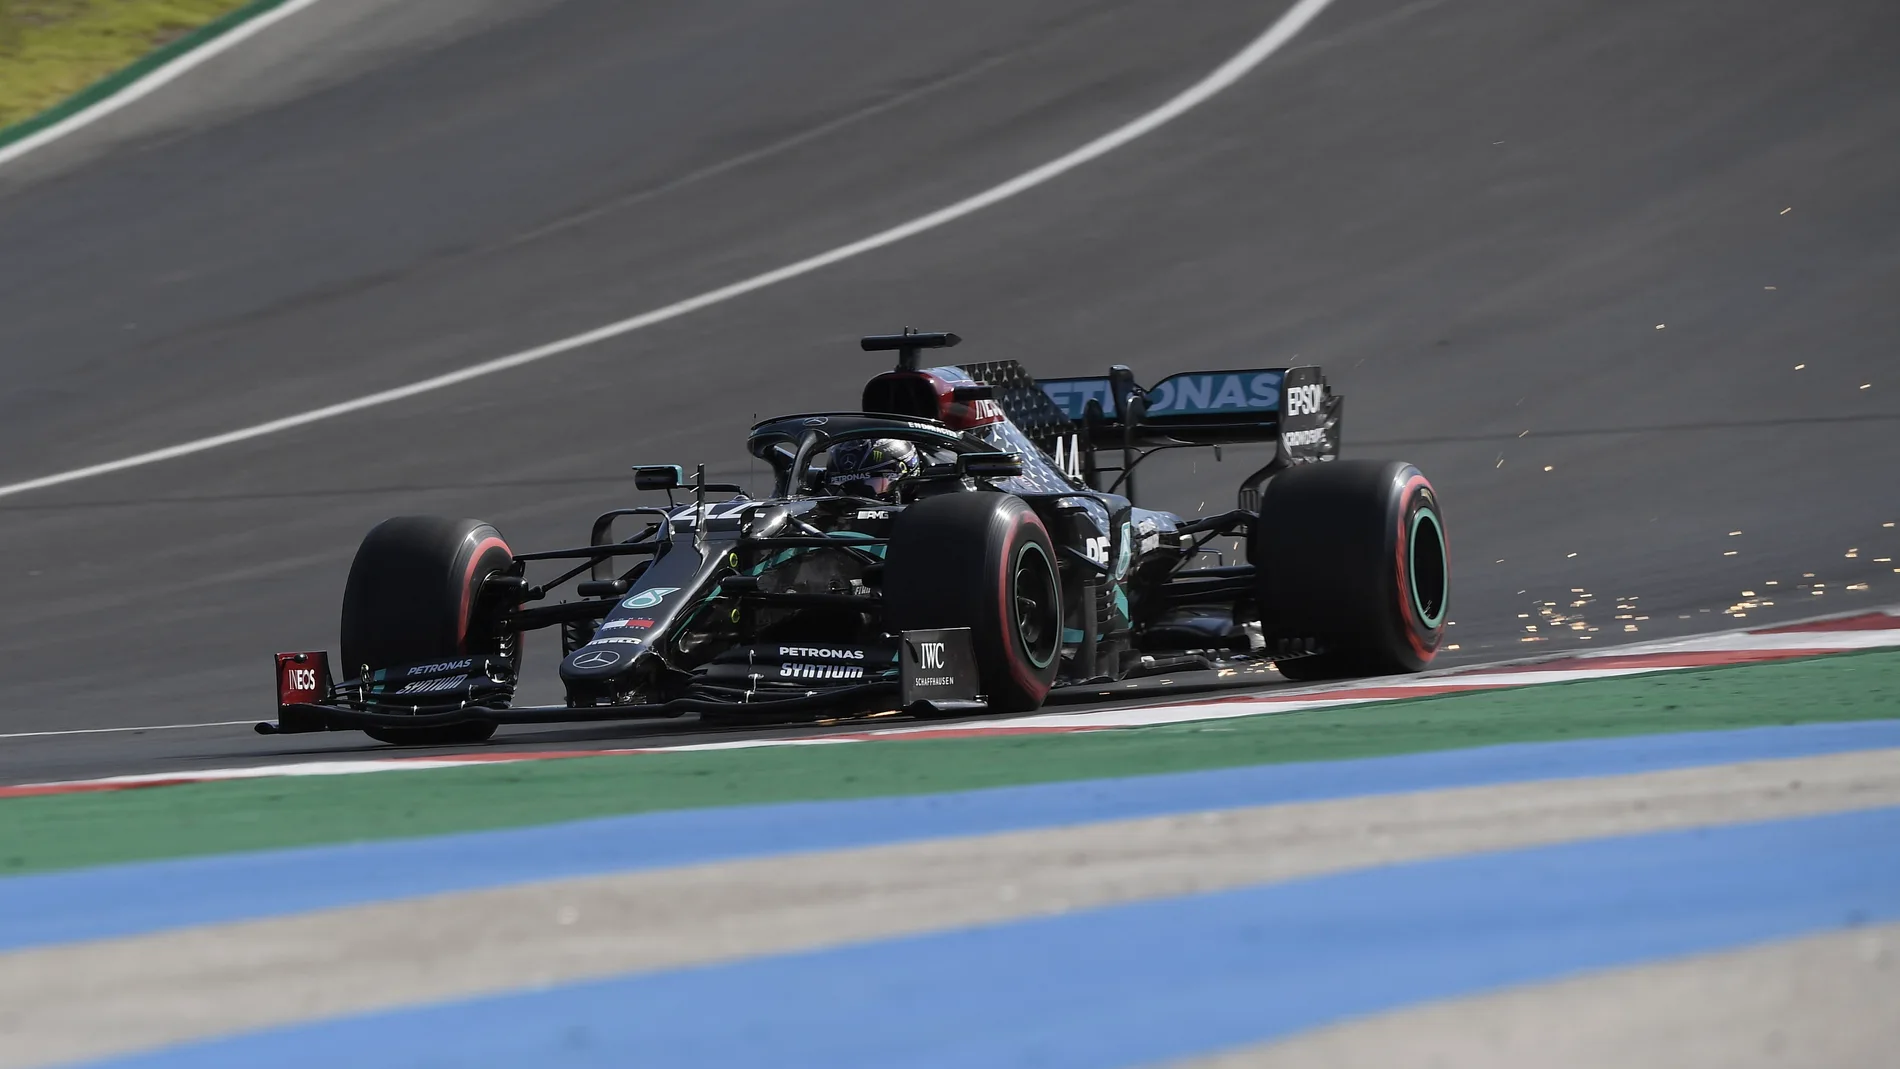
658 476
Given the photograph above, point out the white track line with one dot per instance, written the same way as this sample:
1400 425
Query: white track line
1744 640
112 731
1276 36
154 81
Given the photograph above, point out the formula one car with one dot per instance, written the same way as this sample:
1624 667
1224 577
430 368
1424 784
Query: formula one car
957 544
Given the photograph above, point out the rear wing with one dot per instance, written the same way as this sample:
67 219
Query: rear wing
1071 419
1293 406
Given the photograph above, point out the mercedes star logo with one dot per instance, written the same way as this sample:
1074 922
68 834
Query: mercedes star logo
596 659
649 598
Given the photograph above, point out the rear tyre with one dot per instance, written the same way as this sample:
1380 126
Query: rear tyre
411 599
983 561
1351 554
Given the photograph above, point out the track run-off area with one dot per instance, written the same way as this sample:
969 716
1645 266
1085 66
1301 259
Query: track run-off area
1213 889
1618 277
1451 866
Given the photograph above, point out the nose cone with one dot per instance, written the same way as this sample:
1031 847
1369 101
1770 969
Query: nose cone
596 662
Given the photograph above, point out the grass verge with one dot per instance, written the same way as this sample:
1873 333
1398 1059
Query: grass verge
51 50
63 831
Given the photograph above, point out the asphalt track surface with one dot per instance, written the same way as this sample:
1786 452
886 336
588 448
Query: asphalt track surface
1618 228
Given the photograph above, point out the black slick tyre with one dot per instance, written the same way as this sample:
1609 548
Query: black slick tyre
1351 555
983 561
411 599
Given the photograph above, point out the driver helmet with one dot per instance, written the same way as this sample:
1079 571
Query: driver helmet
871 467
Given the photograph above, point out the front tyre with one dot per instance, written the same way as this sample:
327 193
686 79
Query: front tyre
1351 554
412 598
984 561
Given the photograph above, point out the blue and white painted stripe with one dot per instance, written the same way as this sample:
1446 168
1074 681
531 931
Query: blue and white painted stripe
1137 984
123 900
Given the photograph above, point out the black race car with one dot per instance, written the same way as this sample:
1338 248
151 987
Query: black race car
957 544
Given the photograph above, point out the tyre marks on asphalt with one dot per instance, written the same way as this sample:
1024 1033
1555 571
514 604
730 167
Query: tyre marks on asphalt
1284 28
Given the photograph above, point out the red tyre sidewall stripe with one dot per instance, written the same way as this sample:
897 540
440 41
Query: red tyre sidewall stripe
468 586
1403 565
1006 603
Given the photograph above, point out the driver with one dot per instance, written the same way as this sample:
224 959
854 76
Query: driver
872 467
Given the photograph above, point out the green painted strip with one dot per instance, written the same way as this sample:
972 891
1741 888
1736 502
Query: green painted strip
51 832
125 76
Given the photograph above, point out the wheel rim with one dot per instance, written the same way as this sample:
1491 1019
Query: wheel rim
1038 623
1430 578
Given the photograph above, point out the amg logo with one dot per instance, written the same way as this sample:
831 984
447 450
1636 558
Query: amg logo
445 666
816 651
1304 400
1302 439
820 671
431 686
930 656
300 678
